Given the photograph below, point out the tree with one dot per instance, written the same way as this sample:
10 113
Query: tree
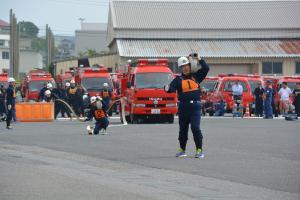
39 44
28 29
88 52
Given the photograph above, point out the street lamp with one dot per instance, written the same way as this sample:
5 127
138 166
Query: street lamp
81 19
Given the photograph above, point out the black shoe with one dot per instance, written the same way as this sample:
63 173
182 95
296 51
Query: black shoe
9 127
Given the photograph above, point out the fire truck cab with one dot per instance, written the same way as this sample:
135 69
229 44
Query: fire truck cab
224 89
92 79
64 78
33 82
3 79
145 96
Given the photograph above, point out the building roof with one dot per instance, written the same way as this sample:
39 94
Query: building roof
3 23
205 15
209 48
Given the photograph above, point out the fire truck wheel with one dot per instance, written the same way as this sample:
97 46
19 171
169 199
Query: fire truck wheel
128 119
170 119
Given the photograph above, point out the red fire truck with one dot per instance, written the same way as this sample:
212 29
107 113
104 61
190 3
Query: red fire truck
142 86
33 82
3 79
224 89
64 78
92 79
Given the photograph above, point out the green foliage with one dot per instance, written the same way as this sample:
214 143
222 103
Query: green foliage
88 52
28 29
39 44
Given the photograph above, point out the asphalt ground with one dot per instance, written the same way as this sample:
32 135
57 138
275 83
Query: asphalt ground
244 159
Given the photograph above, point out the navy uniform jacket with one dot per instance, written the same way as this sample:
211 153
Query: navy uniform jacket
10 95
188 87
98 114
269 94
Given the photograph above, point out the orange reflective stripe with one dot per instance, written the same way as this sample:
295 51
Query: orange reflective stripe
99 114
189 85
105 94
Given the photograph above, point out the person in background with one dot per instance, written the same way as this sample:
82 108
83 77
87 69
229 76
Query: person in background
268 96
296 94
2 102
10 101
42 92
285 93
106 95
258 93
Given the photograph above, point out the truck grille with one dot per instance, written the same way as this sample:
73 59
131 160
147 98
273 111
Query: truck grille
151 98
155 106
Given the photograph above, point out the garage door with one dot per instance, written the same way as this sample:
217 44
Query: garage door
216 69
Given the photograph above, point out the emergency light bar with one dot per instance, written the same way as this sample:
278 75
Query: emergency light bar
144 62
240 75
4 75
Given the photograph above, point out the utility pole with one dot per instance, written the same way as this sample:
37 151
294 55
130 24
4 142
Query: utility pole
50 45
81 19
14 47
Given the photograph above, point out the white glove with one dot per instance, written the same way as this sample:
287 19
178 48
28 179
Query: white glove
195 66
9 107
166 88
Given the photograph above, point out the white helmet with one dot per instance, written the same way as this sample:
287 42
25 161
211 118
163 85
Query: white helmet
93 99
84 96
72 81
11 79
105 84
68 84
183 61
47 92
49 85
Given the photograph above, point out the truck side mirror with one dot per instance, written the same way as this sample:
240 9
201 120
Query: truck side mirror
128 85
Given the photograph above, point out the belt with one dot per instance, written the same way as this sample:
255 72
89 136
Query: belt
190 101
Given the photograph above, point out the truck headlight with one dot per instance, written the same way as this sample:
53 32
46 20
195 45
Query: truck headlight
171 105
140 105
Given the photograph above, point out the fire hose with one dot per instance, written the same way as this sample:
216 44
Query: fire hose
110 107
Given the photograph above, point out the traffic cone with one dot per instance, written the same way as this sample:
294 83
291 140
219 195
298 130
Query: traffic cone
247 113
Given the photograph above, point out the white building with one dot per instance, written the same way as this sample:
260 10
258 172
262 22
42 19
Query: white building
28 59
4 45
91 36
258 37
240 36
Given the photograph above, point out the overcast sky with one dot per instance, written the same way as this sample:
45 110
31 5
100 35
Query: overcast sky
61 15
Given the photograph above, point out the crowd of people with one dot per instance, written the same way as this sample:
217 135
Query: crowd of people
265 105
64 97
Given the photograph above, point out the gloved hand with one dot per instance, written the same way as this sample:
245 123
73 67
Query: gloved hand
99 98
166 88
9 106
194 59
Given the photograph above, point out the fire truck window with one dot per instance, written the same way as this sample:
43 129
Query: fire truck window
253 85
153 80
95 84
4 83
297 67
36 86
228 86
208 85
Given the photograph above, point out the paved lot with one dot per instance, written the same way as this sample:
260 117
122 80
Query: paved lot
245 159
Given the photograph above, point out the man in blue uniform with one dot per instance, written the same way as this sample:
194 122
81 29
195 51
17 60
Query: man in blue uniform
10 101
98 111
187 86
268 96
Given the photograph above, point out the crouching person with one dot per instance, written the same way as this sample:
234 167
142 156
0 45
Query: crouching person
97 111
